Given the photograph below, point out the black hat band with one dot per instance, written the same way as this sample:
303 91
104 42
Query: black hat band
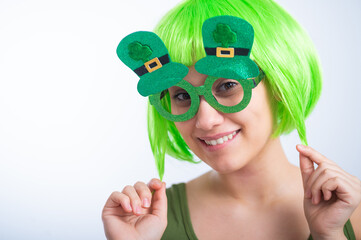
227 52
152 65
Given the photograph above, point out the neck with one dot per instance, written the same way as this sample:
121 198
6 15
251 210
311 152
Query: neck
262 180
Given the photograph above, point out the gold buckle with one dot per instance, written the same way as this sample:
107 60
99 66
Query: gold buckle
230 53
154 60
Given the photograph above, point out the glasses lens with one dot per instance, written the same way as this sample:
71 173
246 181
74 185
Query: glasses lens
227 92
177 98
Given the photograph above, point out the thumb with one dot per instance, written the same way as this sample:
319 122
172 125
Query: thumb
159 202
306 165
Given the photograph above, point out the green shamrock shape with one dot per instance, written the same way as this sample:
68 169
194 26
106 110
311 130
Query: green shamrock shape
224 35
137 51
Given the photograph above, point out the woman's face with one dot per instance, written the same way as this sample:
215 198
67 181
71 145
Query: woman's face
244 134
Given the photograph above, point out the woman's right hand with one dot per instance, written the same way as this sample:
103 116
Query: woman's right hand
136 213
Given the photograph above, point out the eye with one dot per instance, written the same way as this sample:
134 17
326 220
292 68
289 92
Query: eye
182 96
178 94
227 89
227 86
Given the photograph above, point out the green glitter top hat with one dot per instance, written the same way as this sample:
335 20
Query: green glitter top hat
145 53
228 42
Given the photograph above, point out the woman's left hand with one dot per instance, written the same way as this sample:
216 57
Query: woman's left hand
331 194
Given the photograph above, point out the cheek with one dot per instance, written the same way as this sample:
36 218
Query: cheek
257 116
185 129
260 104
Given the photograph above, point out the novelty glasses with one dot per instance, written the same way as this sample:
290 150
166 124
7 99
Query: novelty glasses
181 102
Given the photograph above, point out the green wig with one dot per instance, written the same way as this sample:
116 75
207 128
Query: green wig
282 49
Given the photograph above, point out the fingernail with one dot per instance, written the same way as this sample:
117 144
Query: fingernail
156 183
128 207
137 210
146 202
301 147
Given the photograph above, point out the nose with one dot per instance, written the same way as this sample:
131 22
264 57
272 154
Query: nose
207 117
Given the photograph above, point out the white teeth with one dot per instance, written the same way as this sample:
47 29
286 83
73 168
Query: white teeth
221 140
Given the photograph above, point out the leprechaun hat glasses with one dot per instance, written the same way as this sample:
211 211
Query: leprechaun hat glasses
181 102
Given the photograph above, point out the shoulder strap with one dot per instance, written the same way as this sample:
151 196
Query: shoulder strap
179 222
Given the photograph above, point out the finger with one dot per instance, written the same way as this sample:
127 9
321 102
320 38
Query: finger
306 167
159 203
134 199
312 154
327 194
325 170
117 199
144 193
155 184
340 187
316 187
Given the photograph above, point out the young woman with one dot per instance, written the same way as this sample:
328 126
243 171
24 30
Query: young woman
253 192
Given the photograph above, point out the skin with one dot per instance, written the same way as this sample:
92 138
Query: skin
251 182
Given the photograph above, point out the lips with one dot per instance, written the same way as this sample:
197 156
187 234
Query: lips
216 136
219 139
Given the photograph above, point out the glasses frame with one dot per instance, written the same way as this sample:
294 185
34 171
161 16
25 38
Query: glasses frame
206 91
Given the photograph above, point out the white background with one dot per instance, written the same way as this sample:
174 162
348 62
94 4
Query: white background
73 126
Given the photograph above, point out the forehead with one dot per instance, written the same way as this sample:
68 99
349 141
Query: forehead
195 78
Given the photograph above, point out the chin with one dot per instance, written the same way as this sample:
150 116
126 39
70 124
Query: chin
226 166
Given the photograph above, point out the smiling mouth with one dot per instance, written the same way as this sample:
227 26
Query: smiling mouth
221 140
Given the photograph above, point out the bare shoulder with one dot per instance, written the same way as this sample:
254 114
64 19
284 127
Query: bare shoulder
356 222
196 186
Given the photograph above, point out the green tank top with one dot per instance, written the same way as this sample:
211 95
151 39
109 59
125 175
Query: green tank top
179 222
